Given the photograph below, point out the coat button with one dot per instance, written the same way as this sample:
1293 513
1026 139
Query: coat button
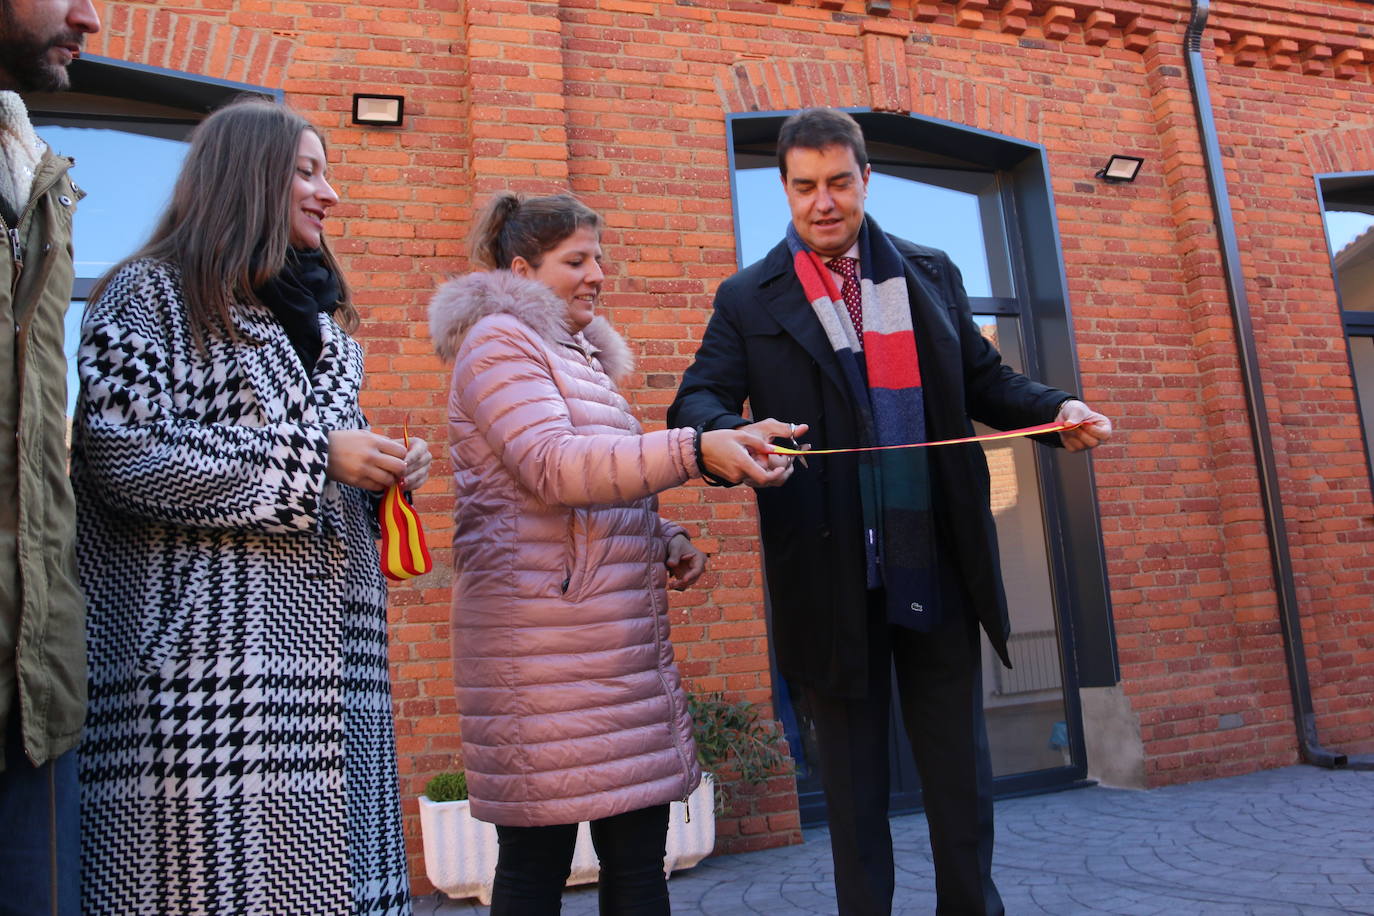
47 246
64 200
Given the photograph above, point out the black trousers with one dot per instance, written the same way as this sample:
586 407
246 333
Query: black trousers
940 685
533 863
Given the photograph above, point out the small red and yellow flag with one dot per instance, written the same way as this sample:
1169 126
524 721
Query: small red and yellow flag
404 552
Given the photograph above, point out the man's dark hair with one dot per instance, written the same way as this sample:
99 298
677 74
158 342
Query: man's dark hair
817 128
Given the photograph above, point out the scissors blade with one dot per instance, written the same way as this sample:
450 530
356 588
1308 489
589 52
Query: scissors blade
802 448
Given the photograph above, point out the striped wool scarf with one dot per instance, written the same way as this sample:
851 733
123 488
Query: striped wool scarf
884 377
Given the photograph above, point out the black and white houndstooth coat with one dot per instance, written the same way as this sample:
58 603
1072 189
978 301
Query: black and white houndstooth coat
238 755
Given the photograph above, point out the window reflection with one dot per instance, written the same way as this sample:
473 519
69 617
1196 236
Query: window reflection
1352 246
1362 358
1350 234
1026 716
1343 227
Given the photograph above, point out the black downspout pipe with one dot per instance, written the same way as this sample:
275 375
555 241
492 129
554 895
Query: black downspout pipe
1312 751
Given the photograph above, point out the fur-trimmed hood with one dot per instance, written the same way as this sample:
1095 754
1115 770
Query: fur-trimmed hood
463 301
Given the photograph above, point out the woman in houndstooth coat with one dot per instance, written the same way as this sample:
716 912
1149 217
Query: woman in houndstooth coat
239 755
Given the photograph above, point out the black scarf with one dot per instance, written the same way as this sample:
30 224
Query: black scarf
297 296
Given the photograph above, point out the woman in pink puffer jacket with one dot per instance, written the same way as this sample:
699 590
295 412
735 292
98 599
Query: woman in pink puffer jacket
572 708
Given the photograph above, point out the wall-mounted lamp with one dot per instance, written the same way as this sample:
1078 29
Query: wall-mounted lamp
1121 168
378 110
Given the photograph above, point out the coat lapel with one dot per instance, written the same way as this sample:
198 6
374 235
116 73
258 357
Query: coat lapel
271 366
338 377
781 295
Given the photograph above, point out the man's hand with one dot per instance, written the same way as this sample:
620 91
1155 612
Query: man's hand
744 454
361 458
685 563
1095 430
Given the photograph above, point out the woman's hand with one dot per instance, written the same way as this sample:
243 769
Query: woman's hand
418 460
361 458
744 454
685 563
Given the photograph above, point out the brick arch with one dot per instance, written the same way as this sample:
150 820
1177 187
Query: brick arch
781 85
771 85
1345 149
162 38
981 105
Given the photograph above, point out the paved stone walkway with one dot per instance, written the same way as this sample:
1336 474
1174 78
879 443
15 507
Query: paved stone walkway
1298 840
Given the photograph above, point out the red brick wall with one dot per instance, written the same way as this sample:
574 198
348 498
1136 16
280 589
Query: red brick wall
624 102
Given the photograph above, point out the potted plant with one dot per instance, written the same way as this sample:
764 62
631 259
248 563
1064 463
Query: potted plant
460 851
734 734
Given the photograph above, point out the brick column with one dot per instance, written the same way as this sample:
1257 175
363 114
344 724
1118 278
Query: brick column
517 121
1225 619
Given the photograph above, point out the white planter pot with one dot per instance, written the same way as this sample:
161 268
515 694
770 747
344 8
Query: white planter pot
460 851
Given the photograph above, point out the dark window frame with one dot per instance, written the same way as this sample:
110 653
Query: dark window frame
106 76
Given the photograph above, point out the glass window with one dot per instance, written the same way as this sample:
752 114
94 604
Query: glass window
956 211
1343 227
1362 356
127 176
127 168
1348 203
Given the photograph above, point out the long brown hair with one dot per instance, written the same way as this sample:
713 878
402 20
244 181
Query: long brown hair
510 228
228 226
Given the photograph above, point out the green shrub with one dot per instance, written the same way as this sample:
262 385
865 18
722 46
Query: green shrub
448 787
733 734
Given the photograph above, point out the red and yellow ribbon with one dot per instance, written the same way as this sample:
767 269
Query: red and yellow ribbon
404 553
1051 427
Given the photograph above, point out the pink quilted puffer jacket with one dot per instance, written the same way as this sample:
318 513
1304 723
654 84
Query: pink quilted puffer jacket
572 708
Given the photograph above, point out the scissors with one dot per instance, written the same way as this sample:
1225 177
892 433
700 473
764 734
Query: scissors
792 437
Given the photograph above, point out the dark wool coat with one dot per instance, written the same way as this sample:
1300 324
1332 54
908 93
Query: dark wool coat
239 754
764 344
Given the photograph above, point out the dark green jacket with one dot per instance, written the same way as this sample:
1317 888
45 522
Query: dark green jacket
42 614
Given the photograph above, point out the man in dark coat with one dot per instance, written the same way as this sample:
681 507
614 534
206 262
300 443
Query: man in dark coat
875 561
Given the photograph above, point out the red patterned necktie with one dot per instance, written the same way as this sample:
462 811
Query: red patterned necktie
849 291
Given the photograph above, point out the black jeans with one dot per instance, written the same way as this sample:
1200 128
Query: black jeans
533 865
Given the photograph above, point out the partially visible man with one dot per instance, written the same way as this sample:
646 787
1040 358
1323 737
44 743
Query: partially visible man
42 615
877 559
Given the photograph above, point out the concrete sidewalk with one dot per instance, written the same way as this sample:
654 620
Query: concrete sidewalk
1299 840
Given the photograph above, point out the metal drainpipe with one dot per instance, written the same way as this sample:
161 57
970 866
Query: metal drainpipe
1312 751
